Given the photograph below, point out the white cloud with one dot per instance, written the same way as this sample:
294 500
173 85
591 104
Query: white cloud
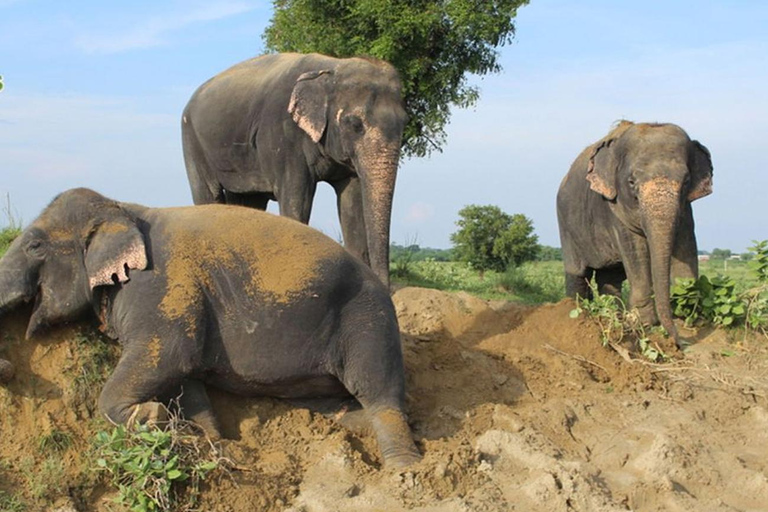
154 31
420 212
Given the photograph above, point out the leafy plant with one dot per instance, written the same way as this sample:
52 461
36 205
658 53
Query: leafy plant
615 322
154 467
759 262
717 301
713 300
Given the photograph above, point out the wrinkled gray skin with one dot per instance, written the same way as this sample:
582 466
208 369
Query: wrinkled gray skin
218 295
624 211
271 127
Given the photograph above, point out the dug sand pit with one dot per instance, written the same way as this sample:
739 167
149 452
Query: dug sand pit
513 408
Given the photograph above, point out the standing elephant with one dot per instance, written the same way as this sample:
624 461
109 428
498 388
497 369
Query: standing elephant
271 127
624 211
249 302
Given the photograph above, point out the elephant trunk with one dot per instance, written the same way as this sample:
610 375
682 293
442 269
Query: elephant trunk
378 174
660 203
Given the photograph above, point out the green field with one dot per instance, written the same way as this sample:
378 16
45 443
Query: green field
533 282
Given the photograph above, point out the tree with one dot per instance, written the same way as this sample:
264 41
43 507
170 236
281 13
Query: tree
434 44
489 239
720 254
548 253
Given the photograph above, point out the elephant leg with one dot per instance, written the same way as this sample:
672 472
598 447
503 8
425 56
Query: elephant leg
609 280
205 189
349 202
637 265
375 378
685 259
196 407
577 285
295 197
130 392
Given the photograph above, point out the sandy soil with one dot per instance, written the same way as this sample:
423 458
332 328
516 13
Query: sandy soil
513 407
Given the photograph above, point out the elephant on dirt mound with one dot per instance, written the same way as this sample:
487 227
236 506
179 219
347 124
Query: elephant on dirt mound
235 298
272 127
624 211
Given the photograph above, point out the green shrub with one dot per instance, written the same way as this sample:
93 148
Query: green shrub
717 300
714 300
154 468
759 262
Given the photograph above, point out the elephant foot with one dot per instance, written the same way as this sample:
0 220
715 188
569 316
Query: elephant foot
402 460
153 413
646 314
395 441
207 421
6 371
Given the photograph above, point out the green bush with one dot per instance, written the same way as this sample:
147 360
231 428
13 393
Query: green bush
718 300
713 300
154 467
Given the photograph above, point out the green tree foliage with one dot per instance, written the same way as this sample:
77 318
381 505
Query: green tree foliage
720 254
434 44
489 239
548 253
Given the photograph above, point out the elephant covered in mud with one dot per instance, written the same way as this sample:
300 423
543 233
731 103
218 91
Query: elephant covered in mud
246 301
624 211
272 127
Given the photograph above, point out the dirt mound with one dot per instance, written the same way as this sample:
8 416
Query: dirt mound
514 408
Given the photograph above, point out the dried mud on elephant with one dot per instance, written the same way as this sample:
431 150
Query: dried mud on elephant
513 407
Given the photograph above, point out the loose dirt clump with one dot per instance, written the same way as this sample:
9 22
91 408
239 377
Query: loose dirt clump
514 408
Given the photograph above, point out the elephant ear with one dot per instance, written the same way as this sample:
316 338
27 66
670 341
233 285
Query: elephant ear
701 172
309 102
114 247
601 170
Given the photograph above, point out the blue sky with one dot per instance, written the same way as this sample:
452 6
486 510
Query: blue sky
94 93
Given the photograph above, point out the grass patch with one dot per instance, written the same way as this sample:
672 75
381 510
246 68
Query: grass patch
11 503
44 481
97 357
531 283
56 441
7 236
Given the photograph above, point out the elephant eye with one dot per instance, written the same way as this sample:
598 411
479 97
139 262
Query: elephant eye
35 248
354 123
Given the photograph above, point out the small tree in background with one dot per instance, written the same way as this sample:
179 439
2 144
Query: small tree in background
489 239
434 44
517 244
720 254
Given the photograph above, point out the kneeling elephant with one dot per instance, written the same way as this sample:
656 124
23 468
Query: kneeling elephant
236 298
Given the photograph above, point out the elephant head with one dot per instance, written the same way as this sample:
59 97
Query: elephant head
650 173
80 241
356 113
